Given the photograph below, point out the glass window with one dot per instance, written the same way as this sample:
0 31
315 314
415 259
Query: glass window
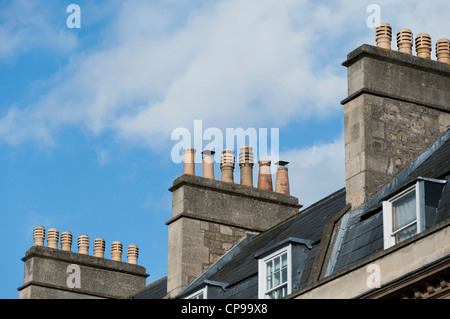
277 276
198 296
404 216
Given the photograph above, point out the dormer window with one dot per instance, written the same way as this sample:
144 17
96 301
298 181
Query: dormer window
275 271
277 276
280 267
201 294
411 211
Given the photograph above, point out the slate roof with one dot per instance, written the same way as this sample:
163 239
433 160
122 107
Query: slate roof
155 290
240 274
363 234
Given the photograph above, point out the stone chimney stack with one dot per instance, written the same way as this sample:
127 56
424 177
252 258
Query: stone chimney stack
208 164
246 165
282 182
209 217
52 273
397 106
189 161
265 175
227 165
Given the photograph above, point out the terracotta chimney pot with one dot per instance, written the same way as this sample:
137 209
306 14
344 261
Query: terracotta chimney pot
208 164
246 165
83 244
265 175
443 51
52 238
405 41
423 46
66 241
116 251
282 182
227 165
99 247
189 161
383 36
39 235
132 254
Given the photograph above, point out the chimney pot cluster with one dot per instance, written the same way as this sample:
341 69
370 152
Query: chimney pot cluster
383 36
246 162
83 244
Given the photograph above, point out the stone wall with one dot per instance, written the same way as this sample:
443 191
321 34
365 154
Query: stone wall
219 239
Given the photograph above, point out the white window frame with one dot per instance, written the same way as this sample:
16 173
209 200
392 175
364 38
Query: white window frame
262 271
203 291
388 216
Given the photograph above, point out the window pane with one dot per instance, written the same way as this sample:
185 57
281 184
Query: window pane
276 276
269 282
284 275
278 293
277 264
284 260
198 296
406 233
404 210
269 267
276 279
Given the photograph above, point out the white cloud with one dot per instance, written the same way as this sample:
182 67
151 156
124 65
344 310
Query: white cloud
232 64
317 171
254 63
25 25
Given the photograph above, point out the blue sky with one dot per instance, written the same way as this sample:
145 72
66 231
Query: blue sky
86 114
